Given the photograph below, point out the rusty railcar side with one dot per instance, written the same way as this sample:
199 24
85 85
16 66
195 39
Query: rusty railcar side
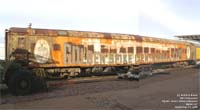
38 54
59 53
64 48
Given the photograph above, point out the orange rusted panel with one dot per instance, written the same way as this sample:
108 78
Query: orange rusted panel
63 48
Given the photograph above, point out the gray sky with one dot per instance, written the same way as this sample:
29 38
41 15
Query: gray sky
156 18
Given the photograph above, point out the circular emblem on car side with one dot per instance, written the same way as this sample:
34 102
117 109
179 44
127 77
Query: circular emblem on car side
188 52
42 51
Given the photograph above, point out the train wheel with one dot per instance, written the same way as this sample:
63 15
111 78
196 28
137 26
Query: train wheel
20 83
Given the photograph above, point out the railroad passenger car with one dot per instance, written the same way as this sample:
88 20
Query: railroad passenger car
51 53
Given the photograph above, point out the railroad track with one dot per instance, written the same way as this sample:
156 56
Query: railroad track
81 80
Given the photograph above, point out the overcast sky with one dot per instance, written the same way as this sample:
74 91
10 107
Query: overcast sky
156 18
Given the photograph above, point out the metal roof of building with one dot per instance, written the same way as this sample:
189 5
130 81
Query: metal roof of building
189 37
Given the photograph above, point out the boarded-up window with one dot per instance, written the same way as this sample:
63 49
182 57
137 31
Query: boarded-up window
91 48
130 49
157 51
104 49
76 55
67 55
56 47
172 49
167 51
113 50
32 47
67 50
176 50
172 52
85 52
21 42
122 50
139 49
146 50
152 50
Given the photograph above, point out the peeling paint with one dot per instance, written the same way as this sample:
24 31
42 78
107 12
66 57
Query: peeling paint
82 48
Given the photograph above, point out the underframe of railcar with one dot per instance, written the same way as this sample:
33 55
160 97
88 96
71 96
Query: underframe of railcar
50 73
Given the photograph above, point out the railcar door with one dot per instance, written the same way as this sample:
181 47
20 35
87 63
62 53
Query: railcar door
21 53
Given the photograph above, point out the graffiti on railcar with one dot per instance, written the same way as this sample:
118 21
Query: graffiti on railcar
95 54
99 53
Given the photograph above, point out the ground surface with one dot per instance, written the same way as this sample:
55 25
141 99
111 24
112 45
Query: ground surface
151 93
